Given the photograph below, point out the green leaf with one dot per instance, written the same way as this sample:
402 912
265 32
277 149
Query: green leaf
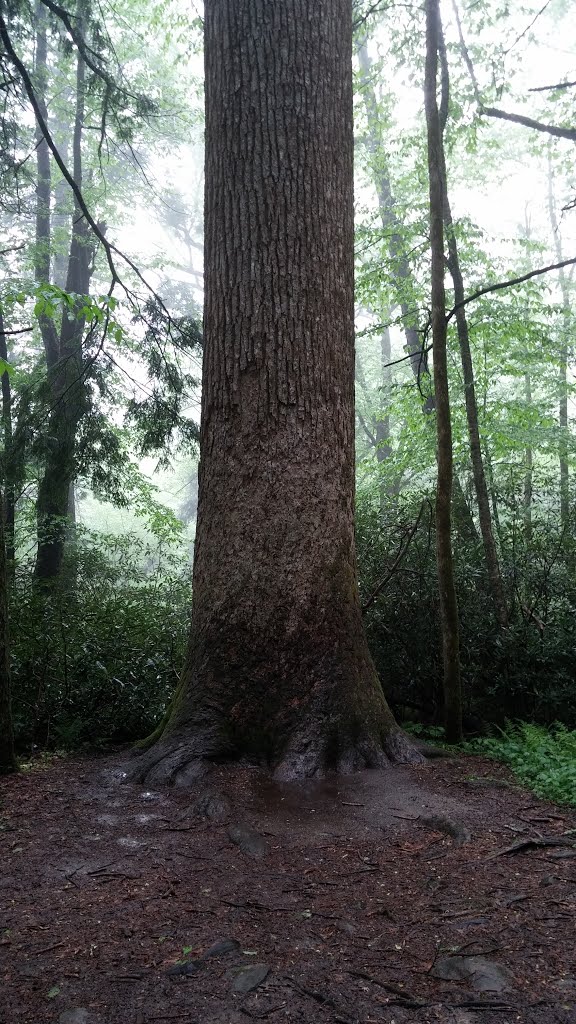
54 991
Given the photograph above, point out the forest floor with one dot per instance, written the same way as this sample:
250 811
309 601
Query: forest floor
441 892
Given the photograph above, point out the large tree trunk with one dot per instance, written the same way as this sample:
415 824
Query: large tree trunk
278 667
446 584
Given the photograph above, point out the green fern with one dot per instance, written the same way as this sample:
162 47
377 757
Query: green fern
542 759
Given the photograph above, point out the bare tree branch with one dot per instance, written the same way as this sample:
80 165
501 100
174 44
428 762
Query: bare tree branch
466 54
509 284
409 355
551 88
528 27
529 122
378 7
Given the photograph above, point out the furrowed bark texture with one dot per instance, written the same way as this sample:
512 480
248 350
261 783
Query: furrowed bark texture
446 584
278 667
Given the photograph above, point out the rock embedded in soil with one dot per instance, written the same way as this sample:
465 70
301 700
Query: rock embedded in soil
77 1016
186 970
566 986
221 947
447 827
191 967
213 806
482 974
247 840
488 782
250 977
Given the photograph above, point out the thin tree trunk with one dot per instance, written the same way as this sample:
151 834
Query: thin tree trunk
8 460
463 519
479 476
278 667
8 761
382 423
446 583
402 273
68 394
43 185
528 461
565 522
62 217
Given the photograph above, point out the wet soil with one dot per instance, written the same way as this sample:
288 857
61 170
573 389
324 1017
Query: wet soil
244 899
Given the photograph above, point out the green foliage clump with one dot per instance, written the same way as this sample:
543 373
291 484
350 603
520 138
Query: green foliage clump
96 660
542 759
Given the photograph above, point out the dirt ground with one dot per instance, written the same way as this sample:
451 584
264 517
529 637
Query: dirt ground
433 893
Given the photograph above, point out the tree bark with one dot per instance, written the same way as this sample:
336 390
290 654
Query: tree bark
446 584
278 667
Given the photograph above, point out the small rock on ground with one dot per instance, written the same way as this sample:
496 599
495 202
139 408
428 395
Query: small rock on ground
77 1016
221 947
213 806
482 974
247 840
250 977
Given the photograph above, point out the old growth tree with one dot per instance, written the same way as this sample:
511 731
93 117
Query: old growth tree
278 667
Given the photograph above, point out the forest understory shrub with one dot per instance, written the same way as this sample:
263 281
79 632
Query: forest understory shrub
524 672
96 659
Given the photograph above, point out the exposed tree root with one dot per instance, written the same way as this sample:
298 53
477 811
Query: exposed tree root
176 760
170 762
